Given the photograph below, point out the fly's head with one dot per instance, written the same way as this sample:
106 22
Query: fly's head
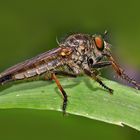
99 50
100 46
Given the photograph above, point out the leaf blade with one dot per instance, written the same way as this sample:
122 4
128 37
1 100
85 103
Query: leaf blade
85 98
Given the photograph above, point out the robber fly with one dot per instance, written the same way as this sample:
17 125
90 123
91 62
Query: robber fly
75 55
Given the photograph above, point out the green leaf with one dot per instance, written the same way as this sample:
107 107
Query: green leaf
85 98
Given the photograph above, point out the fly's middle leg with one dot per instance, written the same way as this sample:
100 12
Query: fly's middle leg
94 76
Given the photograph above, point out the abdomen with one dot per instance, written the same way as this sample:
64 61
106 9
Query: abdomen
31 71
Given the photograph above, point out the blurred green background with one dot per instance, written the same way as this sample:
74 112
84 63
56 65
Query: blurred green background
30 27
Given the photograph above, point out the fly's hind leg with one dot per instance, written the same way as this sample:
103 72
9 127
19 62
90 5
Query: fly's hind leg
64 73
60 73
93 75
53 77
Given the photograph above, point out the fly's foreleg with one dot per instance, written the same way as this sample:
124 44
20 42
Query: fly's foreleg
121 72
102 64
94 76
53 76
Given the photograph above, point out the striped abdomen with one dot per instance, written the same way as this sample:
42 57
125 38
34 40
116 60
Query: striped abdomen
31 71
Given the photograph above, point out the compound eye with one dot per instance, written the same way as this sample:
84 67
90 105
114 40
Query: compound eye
99 42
